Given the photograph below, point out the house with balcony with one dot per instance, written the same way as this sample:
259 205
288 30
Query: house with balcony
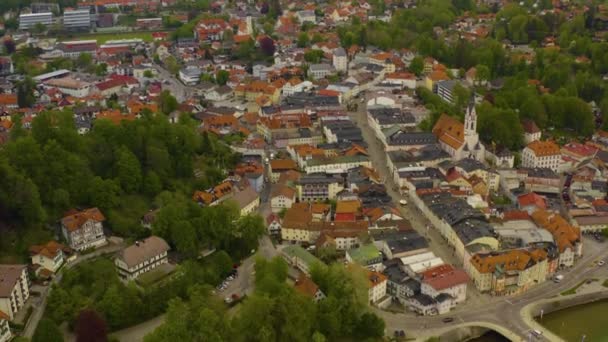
84 229
5 330
14 289
49 257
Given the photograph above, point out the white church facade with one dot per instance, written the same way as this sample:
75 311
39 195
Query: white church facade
460 140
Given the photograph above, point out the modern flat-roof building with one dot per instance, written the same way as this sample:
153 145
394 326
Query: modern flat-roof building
28 21
77 19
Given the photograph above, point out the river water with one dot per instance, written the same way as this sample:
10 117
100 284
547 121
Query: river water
590 320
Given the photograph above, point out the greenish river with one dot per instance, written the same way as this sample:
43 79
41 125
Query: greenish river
590 320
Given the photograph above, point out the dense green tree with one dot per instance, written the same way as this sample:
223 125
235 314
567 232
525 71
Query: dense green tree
25 93
128 170
417 65
303 39
47 331
221 77
167 102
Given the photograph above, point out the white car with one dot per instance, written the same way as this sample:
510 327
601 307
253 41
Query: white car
601 263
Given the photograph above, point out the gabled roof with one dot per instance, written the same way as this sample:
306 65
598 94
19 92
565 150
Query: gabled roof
449 131
75 220
49 250
143 250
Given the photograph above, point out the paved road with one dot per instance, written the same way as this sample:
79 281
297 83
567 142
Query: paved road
39 308
177 88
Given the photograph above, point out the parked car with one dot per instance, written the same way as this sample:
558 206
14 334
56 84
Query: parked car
601 263
447 320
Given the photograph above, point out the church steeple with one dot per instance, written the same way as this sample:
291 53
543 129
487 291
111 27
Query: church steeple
470 118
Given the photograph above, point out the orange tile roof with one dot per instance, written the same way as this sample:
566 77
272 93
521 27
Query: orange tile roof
512 260
285 191
375 278
449 131
4 316
283 165
8 99
564 234
351 206
438 75
544 148
49 250
75 220
306 286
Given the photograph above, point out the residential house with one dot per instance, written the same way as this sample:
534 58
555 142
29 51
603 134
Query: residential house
319 71
318 187
14 289
531 131
141 257
299 258
541 154
190 75
402 79
5 330
248 200
447 280
567 237
376 286
273 224
283 197
340 60
307 287
278 166
49 256
84 229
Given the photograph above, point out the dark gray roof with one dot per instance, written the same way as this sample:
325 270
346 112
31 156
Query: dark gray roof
391 116
470 164
471 229
407 244
427 153
319 178
424 300
402 138
542 173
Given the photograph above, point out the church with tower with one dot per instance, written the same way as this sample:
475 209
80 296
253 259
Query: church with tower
460 140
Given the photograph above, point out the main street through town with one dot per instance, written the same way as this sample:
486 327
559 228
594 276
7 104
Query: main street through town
502 312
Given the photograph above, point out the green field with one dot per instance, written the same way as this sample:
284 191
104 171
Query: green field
103 37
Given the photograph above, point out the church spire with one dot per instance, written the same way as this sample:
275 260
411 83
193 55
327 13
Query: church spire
470 118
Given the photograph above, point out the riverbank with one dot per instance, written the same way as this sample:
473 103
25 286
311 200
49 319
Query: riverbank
531 312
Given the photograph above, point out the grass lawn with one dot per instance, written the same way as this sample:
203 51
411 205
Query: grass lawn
605 284
155 275
573 290
104 37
